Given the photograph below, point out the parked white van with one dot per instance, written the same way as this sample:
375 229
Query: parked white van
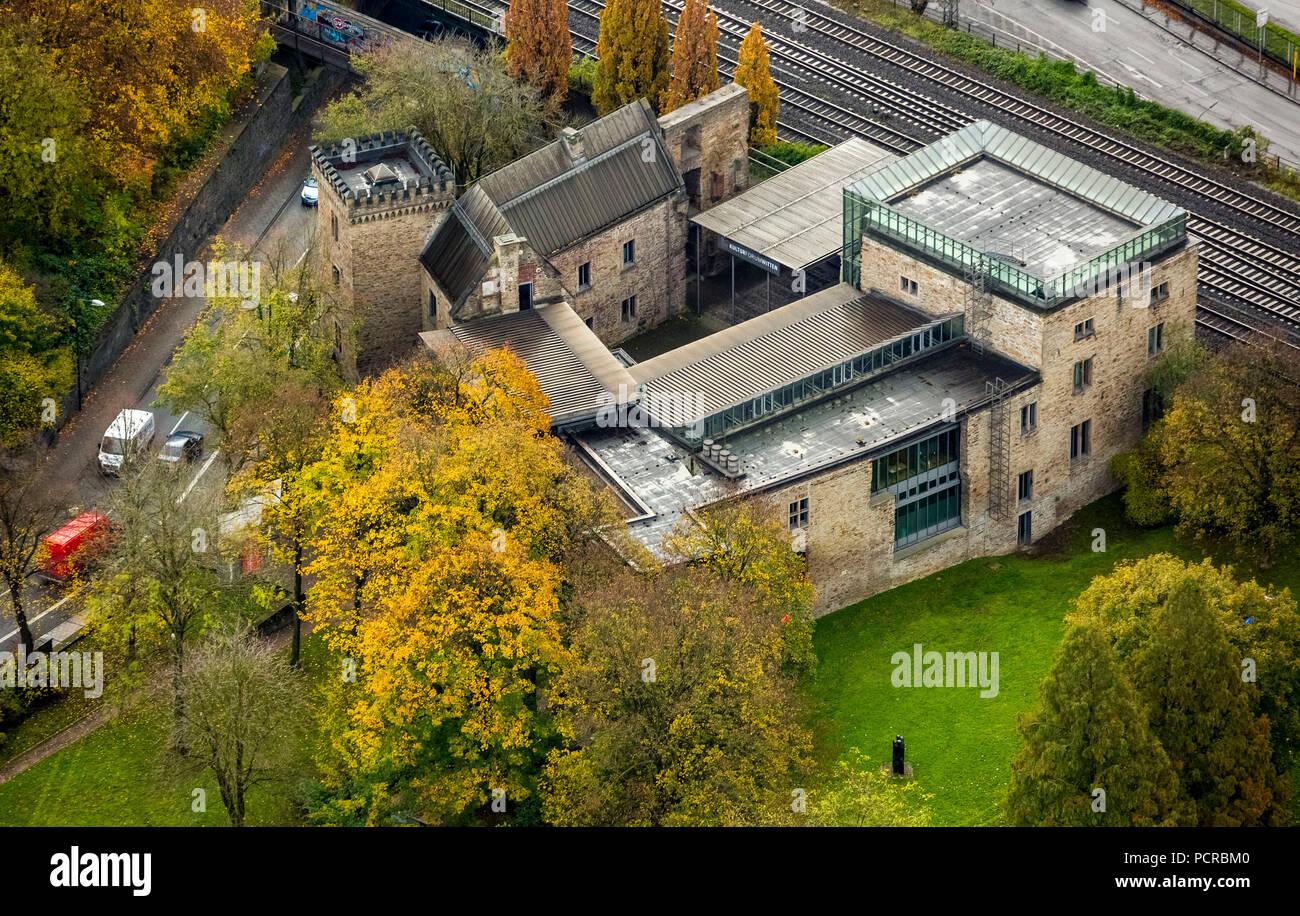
128 436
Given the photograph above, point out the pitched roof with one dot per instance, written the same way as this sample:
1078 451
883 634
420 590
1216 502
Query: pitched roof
556 196
765 353
575 370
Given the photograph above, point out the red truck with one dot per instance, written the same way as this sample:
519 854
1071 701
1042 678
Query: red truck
72 548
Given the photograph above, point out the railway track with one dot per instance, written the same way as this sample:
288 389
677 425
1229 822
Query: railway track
1240 275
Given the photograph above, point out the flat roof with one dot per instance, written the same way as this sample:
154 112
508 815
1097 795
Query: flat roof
766 353
1005 212
793 218
576 371
381 163
849 427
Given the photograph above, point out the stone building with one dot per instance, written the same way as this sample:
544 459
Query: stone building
959 393
379 198
597 219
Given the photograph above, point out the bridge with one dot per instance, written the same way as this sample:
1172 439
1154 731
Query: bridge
334 33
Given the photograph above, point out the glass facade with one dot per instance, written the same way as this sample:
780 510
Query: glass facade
823 382
925 478
871 217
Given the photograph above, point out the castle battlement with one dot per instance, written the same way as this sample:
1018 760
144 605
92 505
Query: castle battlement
411 170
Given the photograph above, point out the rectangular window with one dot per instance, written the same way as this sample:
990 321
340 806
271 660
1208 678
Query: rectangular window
1152 408
629 308
1159 293
1156 339
1082 374
525 296
584 276
1025 528
334 225
1081 440
799 513
433 304
1028 418
629 252
337 276
1083 329
925 478
1026 487
907 285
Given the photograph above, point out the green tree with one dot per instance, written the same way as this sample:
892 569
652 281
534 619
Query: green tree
1090 732
1126 602
633 54
752 72
461 99
538 47
1225 458
685 711
695 56
33 364
1199 707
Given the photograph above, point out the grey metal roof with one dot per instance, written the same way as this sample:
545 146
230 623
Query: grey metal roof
575 370
555 199
985 139
768 352
794 217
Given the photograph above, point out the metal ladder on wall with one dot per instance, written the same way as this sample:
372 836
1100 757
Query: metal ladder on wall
979 306
999 451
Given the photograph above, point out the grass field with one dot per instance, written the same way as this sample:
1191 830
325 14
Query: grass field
961 745
123 774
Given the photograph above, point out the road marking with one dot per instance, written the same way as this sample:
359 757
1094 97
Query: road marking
1141 55
32 620
178 423
201 472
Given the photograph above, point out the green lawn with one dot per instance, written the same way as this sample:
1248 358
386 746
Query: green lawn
122 774
961 745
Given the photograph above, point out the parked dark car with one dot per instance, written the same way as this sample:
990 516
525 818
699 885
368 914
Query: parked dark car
182 447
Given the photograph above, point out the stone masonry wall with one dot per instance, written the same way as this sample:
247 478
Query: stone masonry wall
712 134
657 277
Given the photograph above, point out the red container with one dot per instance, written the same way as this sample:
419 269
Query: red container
67 551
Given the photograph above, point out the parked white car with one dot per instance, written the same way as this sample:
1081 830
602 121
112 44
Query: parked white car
310 193
130 435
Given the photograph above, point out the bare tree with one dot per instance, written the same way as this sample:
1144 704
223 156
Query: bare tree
26 516
244 708
165 553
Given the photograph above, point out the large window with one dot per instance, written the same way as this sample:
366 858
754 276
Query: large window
799 514
925 478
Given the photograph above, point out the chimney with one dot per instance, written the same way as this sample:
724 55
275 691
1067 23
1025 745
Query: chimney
572 140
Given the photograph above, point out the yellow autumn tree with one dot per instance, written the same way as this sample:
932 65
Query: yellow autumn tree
753 72
153 67
632 52
444 513
538 46
695 56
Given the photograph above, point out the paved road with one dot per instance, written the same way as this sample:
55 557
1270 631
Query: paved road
274 225
1136 53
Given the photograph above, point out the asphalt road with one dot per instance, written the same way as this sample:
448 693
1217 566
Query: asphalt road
1133 52
273 224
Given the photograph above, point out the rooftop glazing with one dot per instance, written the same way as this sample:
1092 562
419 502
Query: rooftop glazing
1040 226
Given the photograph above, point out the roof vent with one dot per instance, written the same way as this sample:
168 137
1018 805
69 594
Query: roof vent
381 174
572 140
